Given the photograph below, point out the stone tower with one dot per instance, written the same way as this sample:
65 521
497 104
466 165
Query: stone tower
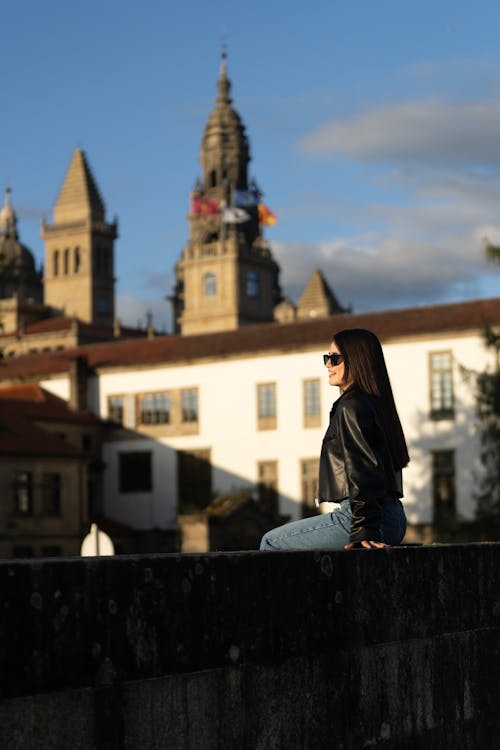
226 276
79 249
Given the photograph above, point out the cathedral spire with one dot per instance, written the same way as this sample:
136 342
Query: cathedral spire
223 84
226 276
224 149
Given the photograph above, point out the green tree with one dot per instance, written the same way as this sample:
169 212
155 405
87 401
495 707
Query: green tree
488 410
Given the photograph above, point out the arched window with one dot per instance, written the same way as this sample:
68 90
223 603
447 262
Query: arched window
76 259
66 261
210 285
213 178
253 284
55 265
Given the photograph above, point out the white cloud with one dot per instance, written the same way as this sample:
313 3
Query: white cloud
385 272
431 171
434 133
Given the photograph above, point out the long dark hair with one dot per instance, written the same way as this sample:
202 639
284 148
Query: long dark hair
365 368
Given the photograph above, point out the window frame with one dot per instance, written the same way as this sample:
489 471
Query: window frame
309 476
252 284
311 418
156 409
51 493
17 487
186 417
112 410
441 387
444 512
268 484
210 286
265 420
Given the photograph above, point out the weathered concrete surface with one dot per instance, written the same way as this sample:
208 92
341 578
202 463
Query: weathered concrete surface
397 648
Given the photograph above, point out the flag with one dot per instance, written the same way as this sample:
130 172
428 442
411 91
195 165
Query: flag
246 198
235 216
266 216
204 207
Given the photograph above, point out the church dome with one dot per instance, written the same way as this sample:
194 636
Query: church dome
18 274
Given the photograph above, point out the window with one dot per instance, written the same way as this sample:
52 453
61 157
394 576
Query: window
87 443
154 408
443 487
312 405
189 403
115 409
267 486
309 469
210 285
266 406
102 304
76 260
23 493
441 382
66 261
253 284
135 471
55 263
51 494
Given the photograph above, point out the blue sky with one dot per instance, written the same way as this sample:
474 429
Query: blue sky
374 130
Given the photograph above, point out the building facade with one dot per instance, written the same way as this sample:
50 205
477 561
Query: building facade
198 417
50 473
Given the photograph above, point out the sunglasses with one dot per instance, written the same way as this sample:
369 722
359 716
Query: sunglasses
335 359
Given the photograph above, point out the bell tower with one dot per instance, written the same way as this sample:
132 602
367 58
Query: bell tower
79 249
226 276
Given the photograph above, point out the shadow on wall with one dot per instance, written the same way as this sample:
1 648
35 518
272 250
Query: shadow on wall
448 503
151 486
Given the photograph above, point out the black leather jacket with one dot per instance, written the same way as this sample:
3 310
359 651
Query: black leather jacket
356 463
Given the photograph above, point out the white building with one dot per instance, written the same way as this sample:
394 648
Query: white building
217 413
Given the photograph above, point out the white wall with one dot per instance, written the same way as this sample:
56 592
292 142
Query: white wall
228 425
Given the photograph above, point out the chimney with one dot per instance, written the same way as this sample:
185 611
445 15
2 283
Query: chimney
78 376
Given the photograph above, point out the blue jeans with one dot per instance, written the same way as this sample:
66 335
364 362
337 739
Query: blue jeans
331 530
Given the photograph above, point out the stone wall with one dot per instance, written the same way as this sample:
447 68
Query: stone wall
396 648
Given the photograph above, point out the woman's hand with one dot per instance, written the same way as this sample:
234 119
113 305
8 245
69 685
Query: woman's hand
366 544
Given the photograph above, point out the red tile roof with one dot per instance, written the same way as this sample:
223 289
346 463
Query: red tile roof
61 323
23 410
390 324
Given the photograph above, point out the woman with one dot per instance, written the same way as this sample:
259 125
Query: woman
362 455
